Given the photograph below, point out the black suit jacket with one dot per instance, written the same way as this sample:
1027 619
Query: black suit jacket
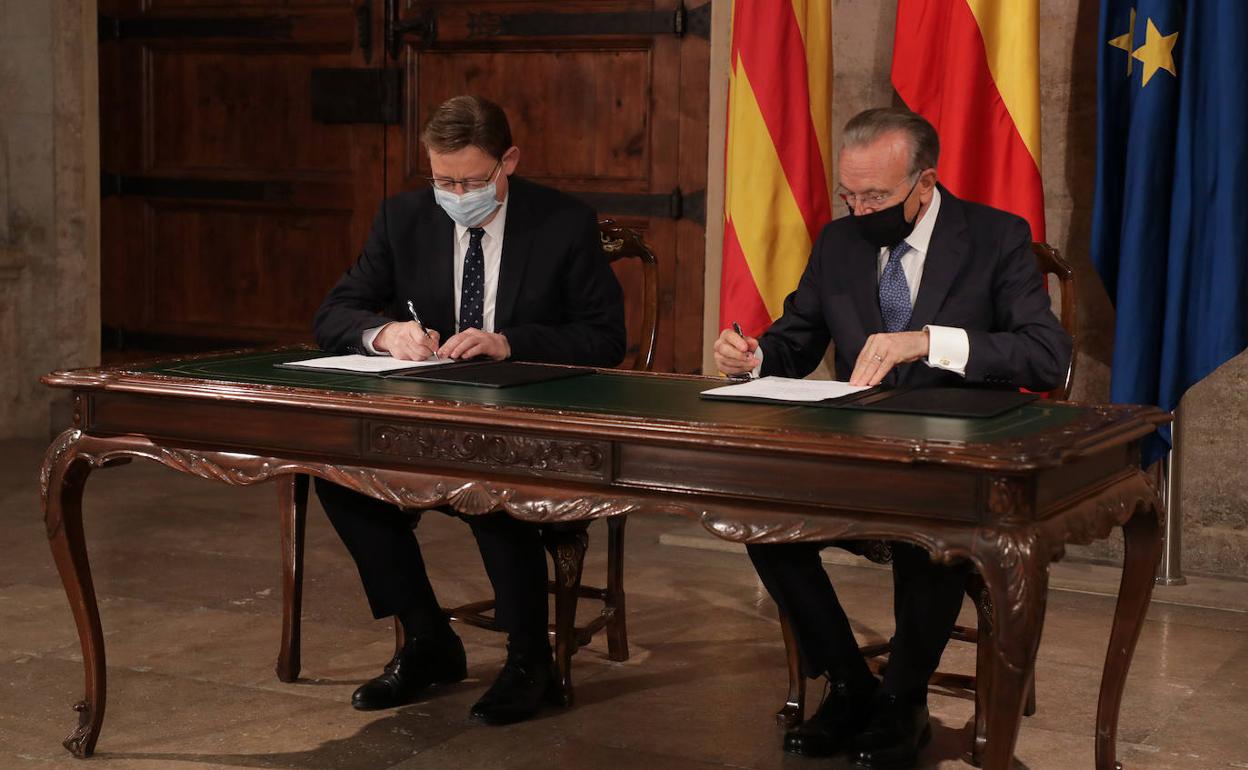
979 274
558 300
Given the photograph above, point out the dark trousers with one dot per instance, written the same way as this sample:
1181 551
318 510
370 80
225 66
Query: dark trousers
381 539
926 600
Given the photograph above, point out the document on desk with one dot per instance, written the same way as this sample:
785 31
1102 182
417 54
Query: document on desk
364 364
927 401
785 389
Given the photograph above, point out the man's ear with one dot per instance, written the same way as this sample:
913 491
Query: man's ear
927 183
511 159
929 179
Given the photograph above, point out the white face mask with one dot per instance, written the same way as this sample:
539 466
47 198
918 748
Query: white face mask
471 208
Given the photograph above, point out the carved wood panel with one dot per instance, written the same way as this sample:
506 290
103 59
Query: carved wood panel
495 450
261 120
243 263
228 210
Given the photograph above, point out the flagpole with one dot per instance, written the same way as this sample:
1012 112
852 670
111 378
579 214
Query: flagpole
1170 568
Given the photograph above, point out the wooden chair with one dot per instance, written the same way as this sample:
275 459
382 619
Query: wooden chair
1049 262
565 542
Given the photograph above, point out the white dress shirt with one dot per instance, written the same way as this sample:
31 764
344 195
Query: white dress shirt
492 245
948 346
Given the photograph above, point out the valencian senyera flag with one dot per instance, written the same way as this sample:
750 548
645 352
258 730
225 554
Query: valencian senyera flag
777 195
971 67
1170 220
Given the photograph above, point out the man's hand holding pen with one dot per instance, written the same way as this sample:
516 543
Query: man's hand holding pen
735 352
407 340
411 341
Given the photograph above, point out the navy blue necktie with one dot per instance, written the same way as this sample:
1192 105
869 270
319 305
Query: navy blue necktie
895 307
472 288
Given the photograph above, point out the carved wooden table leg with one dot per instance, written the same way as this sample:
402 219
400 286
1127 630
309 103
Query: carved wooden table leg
63 476
791 713
1142 535
617 626
292 494
984 654
1014 563
568 552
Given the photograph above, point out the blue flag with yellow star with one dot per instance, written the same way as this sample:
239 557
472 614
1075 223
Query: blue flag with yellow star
1170 220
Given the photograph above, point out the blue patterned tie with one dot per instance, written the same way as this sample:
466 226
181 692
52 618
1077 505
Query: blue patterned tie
895 305
472 288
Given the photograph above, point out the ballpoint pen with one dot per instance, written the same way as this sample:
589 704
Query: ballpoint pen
412 309
736 327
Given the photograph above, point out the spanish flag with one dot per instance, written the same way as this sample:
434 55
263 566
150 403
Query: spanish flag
971 67
778 163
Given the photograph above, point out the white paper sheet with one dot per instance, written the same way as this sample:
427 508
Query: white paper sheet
369 364
787 389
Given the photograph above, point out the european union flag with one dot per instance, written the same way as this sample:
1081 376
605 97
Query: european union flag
1170 223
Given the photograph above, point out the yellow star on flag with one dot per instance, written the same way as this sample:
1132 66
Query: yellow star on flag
1156 53
1126 42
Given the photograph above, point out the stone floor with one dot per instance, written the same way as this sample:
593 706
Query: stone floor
187 575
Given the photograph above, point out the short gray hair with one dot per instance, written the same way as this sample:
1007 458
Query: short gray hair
869 125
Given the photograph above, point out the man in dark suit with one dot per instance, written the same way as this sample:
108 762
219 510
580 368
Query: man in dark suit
914 288
505 269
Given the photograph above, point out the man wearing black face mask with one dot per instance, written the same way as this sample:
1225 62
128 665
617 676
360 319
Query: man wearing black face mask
915 287
493 266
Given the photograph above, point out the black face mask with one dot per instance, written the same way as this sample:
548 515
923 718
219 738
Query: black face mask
887 227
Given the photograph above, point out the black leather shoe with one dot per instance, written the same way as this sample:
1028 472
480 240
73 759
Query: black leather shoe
842 714
899 727
422 663
526 681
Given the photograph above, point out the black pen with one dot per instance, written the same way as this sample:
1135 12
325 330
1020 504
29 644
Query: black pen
736 327
412 309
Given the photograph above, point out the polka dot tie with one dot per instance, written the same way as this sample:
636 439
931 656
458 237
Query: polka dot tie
472 290
894 291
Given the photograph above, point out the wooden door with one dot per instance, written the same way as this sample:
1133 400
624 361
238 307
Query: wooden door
233 192
607 100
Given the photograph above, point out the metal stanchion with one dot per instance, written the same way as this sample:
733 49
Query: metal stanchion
1170 569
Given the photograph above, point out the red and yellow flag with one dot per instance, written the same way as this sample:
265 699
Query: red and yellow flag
778 164
971 67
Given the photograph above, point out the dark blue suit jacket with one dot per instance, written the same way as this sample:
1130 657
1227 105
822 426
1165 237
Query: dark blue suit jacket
558 300
979 274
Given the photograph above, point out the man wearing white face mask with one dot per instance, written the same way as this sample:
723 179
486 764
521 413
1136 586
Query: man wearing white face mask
493 266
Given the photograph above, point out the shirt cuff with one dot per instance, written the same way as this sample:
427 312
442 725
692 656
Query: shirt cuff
949 348
368 337
759 355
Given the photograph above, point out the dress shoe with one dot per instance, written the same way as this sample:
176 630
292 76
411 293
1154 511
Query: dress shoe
526 681
841 715
423 662
899 727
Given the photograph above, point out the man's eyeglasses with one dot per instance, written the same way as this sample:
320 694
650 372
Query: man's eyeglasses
875 199
470 185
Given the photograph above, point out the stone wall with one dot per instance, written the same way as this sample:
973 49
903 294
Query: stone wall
49 202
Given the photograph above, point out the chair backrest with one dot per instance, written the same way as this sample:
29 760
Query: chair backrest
624 243
1052 263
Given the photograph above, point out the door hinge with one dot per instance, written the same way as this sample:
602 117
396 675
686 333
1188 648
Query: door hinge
254 27
681 21
673 205
210 189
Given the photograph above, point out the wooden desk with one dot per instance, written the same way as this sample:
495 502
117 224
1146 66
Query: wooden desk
1006 493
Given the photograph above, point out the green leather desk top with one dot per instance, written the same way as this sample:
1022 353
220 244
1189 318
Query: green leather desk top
624 395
